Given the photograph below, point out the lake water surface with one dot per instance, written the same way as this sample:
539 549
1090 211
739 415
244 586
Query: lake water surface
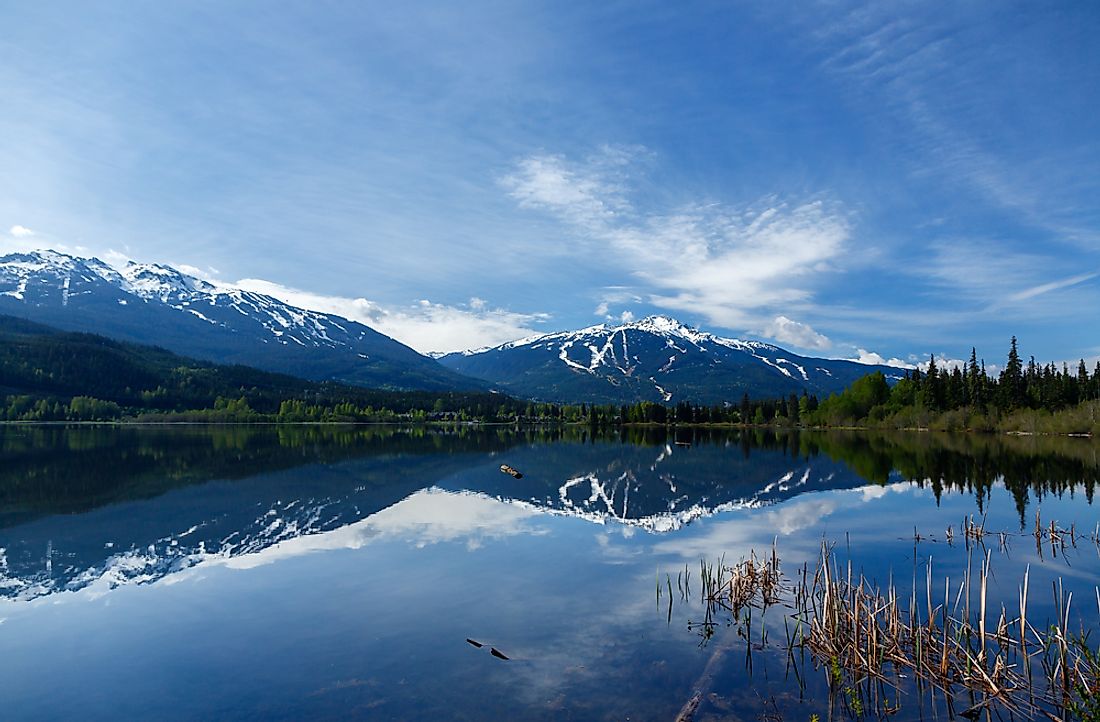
338 572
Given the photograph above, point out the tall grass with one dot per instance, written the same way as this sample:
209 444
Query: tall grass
878 644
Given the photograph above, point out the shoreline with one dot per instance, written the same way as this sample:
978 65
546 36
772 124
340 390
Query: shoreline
552 424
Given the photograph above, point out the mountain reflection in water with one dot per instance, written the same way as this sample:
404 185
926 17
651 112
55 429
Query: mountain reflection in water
93 507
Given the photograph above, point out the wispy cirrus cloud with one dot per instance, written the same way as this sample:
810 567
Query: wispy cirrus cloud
979 272
1057 285
940 76
737 267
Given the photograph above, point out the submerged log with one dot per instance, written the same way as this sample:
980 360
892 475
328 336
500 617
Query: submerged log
705 684
510 471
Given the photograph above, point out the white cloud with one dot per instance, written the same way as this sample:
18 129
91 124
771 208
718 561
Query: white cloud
871 358
425 326
207 274
737 267
429 516
616 295
784 330
20 239
591 193
982 273
921 71
943 361
1059 284
755 529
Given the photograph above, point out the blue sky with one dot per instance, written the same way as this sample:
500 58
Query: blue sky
894 179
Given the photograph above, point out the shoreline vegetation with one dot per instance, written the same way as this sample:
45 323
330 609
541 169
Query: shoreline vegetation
1031 399
1082 420
48 376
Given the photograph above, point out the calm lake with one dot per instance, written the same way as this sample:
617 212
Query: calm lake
339 572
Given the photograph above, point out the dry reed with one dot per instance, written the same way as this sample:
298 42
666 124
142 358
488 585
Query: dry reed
876 644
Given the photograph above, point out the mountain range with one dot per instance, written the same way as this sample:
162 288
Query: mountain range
159 305
656 359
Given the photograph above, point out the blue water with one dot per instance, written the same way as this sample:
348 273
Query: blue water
337 573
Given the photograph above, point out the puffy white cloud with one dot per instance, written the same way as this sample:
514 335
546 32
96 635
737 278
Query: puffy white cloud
785 330
871 358
19 239
429 516
206 274
614 296
943 361
759 528
424 325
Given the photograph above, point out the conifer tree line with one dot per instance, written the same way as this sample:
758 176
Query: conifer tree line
967 396
1034 387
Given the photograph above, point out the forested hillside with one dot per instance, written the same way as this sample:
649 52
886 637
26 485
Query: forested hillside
50 375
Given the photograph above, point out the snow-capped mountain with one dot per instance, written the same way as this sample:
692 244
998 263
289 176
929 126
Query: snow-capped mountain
438 488
655 359
157 304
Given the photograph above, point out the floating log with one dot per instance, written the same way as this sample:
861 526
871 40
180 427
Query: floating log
474 642
510 471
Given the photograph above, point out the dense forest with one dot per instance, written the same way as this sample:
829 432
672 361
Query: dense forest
49 375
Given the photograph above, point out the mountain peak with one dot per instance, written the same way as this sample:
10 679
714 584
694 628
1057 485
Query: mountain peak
46 259
662 325
155 279
657 358
55 265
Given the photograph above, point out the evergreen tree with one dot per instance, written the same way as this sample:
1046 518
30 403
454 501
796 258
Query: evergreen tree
973 381
933 386
1012 380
